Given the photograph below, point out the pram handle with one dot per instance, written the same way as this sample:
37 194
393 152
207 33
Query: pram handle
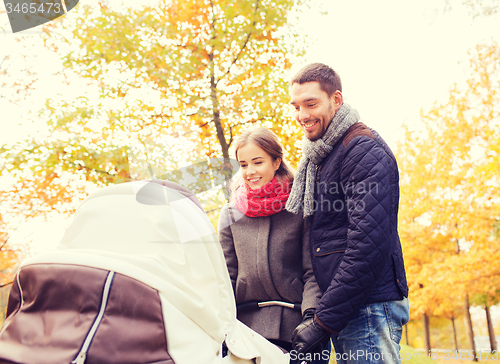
254 305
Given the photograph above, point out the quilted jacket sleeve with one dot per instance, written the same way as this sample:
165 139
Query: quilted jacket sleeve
365 173
227 243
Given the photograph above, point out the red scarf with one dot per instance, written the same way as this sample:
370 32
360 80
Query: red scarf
264 201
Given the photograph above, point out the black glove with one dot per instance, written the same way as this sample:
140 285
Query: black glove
308 334
308 314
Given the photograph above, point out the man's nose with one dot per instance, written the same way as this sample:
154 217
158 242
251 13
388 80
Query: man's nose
303 115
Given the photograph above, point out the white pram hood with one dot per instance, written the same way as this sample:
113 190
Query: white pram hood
159 236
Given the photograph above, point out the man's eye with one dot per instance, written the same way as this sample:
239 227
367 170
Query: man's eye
258 162
311 105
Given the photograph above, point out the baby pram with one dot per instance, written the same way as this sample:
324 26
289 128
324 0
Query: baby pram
139 277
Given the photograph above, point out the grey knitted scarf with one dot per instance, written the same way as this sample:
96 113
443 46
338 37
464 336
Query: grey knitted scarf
313 153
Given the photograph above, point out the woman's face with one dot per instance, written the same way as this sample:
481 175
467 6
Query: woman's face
257 166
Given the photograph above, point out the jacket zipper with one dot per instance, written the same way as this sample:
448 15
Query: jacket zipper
82 355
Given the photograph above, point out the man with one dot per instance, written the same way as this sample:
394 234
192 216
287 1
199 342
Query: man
348 179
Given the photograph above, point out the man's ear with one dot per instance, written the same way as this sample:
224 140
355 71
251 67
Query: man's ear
337 100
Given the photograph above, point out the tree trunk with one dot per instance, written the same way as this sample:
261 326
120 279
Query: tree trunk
491 332
427 336
228 172
216 118
454 333
470 331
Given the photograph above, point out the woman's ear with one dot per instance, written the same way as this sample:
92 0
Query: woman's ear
276 164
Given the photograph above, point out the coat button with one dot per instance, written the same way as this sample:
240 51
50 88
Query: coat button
317 250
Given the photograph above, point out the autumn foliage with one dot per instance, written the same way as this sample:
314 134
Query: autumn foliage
159 87
450 194
8 257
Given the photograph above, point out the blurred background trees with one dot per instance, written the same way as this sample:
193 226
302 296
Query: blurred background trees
450 196
159 88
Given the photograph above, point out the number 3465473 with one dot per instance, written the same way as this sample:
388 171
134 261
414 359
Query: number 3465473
33 8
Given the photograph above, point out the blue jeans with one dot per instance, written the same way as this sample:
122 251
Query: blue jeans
373 336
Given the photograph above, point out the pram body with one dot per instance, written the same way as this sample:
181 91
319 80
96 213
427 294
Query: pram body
139 277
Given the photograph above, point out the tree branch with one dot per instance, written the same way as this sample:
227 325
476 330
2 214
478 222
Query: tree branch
235 125
242 47
83 166
4 243
3 60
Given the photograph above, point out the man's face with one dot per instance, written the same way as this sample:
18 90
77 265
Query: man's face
314 109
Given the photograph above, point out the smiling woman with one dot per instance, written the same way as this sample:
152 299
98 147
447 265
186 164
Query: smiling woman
258 167
260 156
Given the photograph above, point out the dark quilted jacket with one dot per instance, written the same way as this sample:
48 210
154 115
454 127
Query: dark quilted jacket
356 252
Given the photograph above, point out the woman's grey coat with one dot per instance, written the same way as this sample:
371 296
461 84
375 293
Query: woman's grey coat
268 258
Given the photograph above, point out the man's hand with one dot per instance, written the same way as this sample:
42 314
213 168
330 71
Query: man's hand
308 334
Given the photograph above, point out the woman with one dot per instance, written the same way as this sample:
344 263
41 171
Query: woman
266 247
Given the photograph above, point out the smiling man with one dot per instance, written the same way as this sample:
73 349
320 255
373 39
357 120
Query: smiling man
348 179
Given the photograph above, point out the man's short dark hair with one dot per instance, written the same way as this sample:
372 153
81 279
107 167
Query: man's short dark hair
328 79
